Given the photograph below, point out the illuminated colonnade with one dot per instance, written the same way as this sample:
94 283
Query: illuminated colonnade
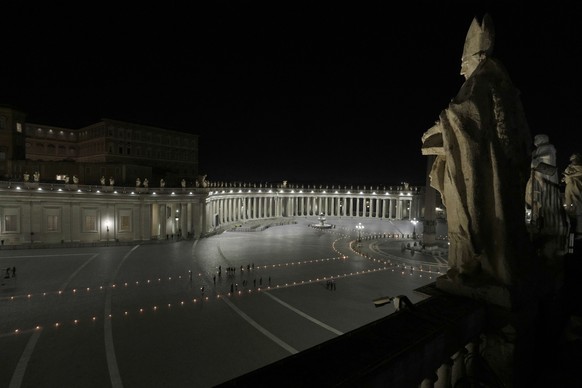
54 213
233 205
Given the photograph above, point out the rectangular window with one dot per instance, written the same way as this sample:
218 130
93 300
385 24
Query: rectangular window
11 223
90 224
124 223
52 223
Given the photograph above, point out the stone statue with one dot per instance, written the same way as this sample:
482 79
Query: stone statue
36 176
201 179
482 146
573 192
26 176
137 182
111 181
146 183
66 179
75 179
542 192
102 180
162 183
183 182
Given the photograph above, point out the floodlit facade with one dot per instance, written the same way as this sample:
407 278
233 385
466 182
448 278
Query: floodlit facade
60 185
34 213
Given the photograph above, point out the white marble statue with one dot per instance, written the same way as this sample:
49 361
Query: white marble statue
146 183
481 143
102 180
137 182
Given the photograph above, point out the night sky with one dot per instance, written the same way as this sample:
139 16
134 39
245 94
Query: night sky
308 92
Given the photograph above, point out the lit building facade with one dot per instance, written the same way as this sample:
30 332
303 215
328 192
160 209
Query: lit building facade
60 185
32 212
109 148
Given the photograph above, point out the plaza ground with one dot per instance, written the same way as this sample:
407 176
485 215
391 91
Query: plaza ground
153 315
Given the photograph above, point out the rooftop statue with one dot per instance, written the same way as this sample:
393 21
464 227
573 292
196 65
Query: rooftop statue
548 221
482 147
573 192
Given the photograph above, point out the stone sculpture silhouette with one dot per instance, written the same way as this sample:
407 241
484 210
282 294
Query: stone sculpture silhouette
482 147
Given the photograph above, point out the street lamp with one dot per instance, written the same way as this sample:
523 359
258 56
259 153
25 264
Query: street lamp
414 222
359 227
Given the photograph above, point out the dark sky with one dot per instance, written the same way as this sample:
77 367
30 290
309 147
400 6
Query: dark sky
309 92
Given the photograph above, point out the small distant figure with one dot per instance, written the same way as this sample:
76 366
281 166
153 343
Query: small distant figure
183 183
162 183
137 182
146 183
102 180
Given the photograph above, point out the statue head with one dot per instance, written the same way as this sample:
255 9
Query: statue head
541 139
480 37
478 44
576 158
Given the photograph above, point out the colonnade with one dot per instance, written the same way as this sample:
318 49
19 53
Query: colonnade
53 213
228 206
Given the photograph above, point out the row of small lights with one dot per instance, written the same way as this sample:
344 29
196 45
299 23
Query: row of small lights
76 291
99 191
389 262
384 261
240 191
155 308
391 266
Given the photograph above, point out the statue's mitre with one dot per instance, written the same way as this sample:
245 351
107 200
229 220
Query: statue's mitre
480 37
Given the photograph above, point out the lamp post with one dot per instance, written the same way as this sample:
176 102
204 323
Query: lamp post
359 227
414 222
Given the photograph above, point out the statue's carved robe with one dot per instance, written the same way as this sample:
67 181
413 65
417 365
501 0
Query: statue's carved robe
573 192
481 172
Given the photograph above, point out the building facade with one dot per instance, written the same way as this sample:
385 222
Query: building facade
109 148
36 212
87 185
